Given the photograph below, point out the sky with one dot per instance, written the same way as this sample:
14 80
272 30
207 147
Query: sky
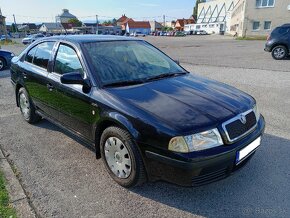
37 11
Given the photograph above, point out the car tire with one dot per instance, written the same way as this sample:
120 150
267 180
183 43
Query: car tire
279 52
122 158
27 107
2 63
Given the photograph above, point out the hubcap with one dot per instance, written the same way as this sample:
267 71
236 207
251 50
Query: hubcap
24 105
1 64
279 52
118 157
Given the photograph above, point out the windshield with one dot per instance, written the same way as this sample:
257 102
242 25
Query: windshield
128 61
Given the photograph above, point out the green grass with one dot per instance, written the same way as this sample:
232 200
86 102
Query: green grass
252 38
6 209
8 42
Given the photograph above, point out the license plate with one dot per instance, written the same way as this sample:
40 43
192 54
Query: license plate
243 153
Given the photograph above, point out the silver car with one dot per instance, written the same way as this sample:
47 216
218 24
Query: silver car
31 38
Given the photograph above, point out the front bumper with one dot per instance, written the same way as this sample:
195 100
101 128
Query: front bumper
200 171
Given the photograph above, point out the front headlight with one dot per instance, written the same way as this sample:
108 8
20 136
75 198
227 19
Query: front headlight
196 142
257 112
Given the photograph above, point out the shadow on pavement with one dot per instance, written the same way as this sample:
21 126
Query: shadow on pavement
260 189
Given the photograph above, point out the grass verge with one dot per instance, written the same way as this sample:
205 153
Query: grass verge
252 38
6 209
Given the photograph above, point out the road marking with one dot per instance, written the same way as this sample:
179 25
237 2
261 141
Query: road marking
8 115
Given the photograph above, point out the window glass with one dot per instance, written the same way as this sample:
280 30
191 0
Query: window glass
264 3
267 25
256 25
271 3
42 54
67 61
30 55
258 3
120 61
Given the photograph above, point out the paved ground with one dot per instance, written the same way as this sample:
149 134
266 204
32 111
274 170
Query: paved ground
64 179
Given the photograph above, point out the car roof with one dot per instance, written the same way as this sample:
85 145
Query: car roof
91 38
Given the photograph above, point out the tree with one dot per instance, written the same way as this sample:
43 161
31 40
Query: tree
196 7
14 28
75 21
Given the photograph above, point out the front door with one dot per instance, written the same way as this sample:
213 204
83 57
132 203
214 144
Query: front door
75 110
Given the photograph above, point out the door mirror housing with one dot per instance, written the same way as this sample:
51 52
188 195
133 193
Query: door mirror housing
76 78
72 78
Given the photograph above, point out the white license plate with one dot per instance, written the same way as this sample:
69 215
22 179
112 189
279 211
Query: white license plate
243 153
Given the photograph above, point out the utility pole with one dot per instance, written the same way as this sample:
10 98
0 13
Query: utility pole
164 20
97 21
16 29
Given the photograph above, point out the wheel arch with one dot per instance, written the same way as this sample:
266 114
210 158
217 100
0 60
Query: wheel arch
280 44
17 88
112 119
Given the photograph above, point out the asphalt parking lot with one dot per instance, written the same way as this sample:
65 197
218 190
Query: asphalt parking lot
63 178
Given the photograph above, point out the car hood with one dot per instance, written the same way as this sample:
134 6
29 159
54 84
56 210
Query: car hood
186 103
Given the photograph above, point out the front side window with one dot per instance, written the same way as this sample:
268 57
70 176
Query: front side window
256 25
67 61
121 61
42 54
264 3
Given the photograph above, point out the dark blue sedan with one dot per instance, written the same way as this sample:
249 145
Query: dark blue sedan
146 116
5 59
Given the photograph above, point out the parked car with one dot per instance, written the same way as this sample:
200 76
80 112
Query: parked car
200 32
5 59
31 38
5 38
146 116
179 34
278 42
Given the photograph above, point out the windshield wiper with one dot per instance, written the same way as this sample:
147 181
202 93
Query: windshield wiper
166 75
124 83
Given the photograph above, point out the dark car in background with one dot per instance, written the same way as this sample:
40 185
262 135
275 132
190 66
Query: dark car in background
5 59
278 42
146 116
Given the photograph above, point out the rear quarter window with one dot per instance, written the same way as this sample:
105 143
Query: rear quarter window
280 31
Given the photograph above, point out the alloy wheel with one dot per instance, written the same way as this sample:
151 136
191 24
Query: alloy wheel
24 105
1 64
279 53
118 157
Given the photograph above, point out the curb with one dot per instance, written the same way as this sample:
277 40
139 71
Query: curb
17 195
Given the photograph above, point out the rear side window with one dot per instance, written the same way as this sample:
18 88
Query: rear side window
30 55
42 54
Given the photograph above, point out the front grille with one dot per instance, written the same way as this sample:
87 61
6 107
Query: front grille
210 177
235 128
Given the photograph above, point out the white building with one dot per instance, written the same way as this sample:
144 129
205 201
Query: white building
214 16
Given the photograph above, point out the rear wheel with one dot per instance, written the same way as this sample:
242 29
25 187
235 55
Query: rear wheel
122 158
27 107
2 64
279 52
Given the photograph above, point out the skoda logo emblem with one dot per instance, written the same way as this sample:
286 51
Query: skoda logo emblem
243 119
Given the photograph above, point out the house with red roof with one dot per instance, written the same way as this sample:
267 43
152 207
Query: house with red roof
180 23
139 27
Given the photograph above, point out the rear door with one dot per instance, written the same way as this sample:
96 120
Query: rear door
34 73
75 110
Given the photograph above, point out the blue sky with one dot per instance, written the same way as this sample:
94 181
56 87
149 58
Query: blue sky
46 10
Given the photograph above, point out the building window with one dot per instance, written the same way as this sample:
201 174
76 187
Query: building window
256 25
265 3
267 25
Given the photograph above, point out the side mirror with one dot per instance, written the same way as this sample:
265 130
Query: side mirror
72 78
76 78
177 61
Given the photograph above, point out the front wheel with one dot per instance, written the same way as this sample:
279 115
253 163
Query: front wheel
122 158
2 64
279 52
27 107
